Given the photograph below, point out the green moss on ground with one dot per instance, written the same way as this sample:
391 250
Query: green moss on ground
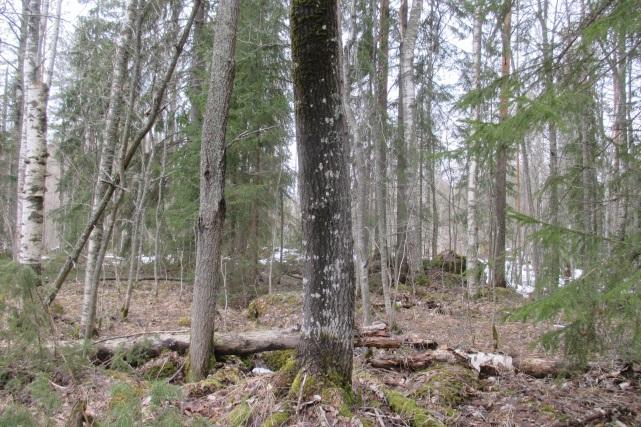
276 419
240 415
448 384
275 360
221 378
410 410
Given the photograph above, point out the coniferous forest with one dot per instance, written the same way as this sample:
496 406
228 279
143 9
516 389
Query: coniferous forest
320 213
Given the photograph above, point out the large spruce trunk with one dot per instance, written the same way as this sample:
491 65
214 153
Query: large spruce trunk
322 141
211 212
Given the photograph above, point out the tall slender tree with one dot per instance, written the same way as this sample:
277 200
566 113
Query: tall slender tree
35 147
211 214
472 174
411 241
104 179
500 184
380 155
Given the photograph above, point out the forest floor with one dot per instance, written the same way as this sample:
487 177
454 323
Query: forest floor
609 393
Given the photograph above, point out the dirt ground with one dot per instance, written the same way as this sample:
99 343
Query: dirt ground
607 394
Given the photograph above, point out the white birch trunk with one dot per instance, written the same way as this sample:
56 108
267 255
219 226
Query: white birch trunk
34 149
472 224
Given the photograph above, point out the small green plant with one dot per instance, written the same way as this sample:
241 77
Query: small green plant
124 406
162 392
42 392
17 416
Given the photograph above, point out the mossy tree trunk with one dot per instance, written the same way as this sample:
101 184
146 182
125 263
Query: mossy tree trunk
322 141
211 212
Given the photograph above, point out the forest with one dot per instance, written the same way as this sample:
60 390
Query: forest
362 213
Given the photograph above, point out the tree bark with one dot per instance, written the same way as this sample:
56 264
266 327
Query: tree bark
472 174
409 34
380 153
35 149
322 142
17 164
500 190
211 212
359 166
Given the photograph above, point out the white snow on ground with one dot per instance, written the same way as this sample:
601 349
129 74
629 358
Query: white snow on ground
288 254
147 259
524 284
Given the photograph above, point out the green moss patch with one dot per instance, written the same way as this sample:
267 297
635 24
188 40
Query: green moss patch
275 360
447 384
410 410
240 415
276 419
221 378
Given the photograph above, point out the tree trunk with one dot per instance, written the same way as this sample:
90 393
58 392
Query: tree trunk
551 264
322 142
17 164
409 34
380 152
498 276
105 178
35 149
359 162
211 212
472 175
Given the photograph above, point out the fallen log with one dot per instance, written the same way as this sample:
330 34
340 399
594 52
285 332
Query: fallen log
485 363
150 345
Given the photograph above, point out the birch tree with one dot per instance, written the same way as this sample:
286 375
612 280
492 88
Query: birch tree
325 349
211 212
35 148
472 174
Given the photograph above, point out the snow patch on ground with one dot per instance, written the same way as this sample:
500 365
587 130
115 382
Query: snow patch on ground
524 283
288 255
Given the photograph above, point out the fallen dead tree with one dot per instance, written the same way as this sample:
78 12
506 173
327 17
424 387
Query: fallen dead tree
243 343
150 345
487 364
